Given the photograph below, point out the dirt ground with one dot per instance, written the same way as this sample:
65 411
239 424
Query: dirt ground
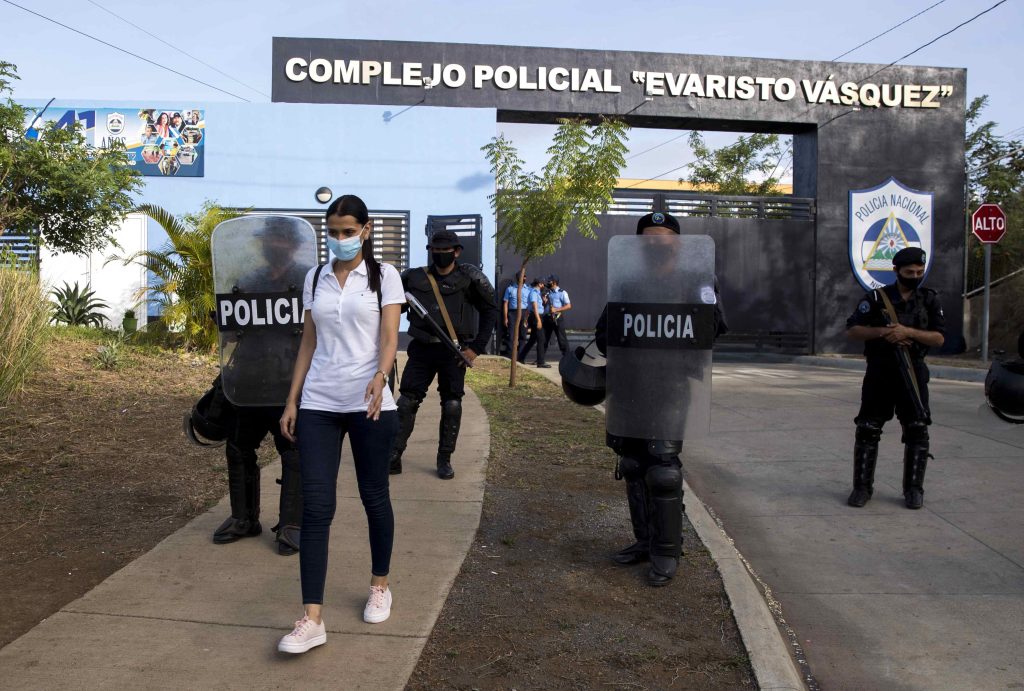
94 471
538 603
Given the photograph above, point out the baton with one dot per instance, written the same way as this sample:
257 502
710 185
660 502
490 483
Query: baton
417 307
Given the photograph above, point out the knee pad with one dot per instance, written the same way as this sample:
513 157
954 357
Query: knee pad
915 433
451 407
407 405
630 468
868 431
664 479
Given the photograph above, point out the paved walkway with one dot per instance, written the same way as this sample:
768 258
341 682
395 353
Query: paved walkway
191 615
880 597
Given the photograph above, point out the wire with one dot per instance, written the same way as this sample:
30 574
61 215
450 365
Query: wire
170 45
127 52
891 28
640 182
922 47
1007 154
657 146
919 48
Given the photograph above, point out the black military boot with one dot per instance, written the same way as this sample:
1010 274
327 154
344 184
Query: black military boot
865 456
243 522
665 489
632 471
407 408
289 520
639 516
448 434
915 460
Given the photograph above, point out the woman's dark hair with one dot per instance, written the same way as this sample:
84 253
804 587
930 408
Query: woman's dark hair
351 205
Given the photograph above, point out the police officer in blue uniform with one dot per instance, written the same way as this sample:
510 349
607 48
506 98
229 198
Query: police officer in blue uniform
554 314
468 298
534 309
510 303
652 468
887 388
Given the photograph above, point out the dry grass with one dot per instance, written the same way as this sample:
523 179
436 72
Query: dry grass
24 313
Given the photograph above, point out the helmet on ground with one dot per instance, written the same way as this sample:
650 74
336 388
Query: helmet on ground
1004 390
582 369
209 421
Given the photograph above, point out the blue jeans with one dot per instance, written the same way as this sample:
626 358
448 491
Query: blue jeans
319 440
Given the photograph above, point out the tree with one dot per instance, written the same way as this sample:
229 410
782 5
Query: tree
729 170
995 174
56 189
534 210
184 271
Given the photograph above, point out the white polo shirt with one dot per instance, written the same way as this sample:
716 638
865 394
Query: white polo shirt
347 351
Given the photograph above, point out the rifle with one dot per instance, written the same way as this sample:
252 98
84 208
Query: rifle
905 363
421 311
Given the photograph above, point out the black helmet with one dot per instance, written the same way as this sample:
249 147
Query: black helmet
1004 390
209 421
582 371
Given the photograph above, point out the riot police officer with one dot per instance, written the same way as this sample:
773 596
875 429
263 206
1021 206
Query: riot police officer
897 376
466 309
288 248
651 467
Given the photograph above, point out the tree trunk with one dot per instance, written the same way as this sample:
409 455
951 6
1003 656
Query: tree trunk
519 320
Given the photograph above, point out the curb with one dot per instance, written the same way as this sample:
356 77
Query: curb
774 667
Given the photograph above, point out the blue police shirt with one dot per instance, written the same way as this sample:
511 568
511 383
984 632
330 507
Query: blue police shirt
556 299
513 300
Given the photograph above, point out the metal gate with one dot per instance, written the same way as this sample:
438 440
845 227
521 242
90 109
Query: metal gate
469 228
765 258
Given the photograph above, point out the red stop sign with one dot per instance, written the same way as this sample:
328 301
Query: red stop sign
988 223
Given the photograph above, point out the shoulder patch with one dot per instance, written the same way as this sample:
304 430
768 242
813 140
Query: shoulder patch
864 307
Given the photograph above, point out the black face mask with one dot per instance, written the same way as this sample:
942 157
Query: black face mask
442 260
909 283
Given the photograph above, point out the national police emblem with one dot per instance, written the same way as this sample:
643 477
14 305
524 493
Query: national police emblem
115 123
884 220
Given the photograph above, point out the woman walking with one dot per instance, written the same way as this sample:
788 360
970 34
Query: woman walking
349 343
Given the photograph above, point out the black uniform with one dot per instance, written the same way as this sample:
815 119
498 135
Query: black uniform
469 298
885 390
654 485
251 426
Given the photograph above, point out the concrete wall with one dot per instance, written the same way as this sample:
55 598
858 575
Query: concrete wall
113 283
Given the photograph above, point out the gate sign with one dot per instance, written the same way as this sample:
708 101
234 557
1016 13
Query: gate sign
884 220
988 223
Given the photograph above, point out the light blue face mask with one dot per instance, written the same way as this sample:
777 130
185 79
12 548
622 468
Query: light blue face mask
345 249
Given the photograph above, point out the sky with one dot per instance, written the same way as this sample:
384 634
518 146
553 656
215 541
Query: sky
234 37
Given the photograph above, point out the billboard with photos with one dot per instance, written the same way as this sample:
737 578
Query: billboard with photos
161 142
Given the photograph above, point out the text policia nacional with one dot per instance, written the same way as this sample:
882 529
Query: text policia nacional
581 80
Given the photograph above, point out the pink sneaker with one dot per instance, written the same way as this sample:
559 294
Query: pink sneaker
307 634
378 607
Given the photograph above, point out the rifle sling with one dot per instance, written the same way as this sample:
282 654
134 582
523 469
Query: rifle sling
440 304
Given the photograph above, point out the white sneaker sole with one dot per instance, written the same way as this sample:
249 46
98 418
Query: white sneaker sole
313 642
376 618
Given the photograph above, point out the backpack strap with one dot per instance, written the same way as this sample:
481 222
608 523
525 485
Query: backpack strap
316 279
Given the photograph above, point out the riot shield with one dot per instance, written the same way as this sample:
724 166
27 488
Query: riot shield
259 266
661 301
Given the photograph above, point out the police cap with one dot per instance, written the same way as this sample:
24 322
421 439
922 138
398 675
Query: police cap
657 218
281 229
443 239
909 255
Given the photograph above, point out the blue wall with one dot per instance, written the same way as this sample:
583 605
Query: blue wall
275 155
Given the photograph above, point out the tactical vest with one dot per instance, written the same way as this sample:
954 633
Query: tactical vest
912 313
454 290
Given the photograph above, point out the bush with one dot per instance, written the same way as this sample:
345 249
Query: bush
77 307
110 355
24 314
